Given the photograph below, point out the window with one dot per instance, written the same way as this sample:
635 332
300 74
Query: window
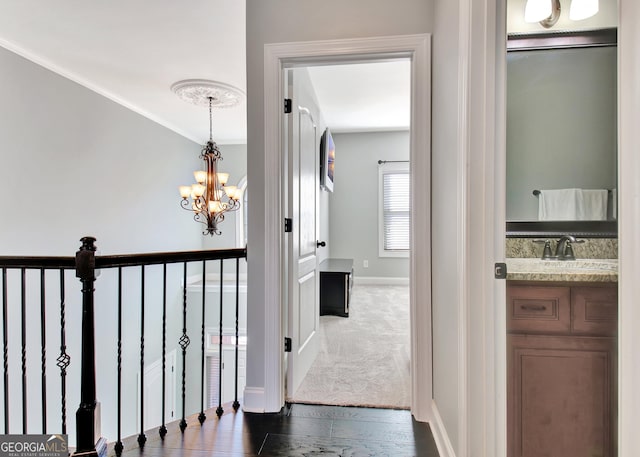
393 209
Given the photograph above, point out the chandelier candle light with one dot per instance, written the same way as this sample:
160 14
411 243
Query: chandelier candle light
210 198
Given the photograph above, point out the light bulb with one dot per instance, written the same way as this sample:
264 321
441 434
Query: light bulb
185 191
223 178
537 10
230 191
214 206
583 9
197 190
201 176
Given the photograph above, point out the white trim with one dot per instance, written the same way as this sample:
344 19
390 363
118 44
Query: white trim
481 229
497 339
240 235
274 243
628 223
440 436
462 225
380 281
417 48
253 400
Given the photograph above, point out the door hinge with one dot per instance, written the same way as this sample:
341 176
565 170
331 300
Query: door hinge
500 270
287 344
288 225
287 106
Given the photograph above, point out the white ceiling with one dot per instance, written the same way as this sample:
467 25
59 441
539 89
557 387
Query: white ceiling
364 97
133 51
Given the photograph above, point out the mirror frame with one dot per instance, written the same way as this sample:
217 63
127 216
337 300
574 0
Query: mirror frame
559 40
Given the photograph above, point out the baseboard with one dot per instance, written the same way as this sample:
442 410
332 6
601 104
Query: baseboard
253 400
440 436
380 281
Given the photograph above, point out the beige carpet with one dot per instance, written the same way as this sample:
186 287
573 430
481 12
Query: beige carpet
363 359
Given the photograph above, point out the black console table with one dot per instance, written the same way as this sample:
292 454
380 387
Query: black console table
336 280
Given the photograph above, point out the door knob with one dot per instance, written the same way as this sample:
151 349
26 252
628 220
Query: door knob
321 244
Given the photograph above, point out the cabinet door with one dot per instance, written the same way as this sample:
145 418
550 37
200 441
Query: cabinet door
561 396
594 310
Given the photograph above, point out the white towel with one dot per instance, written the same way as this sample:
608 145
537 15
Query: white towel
572 205
558 204
593 205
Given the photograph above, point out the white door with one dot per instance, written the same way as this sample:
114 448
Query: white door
153 392
303 292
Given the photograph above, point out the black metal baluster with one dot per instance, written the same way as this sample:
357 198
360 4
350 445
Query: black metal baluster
219 409
63 359
43 345
163 429
118 447
5 338
202 417
236 403
23 304
184 342
142 437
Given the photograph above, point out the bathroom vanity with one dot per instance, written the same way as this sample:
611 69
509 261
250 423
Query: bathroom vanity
561 358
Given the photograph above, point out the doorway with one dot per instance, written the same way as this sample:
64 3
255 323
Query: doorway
278 57
362 357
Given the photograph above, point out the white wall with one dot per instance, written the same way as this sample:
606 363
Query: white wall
354 201
75 164
445 210
304 21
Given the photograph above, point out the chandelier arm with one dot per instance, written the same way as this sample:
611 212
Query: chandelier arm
198 218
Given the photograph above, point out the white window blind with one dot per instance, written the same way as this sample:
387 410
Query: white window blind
394 209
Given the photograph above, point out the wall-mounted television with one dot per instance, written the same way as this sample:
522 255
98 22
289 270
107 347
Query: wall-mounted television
327 160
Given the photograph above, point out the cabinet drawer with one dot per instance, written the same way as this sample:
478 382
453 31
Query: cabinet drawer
538 309
594 310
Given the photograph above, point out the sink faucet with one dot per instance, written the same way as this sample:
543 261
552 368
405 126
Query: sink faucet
564 250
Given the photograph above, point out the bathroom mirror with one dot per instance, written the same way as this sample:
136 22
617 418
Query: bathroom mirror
561 129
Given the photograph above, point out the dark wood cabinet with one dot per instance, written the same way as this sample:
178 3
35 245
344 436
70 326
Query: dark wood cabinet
336 281
561 365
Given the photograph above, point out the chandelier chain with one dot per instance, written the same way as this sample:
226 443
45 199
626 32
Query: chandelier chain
210 119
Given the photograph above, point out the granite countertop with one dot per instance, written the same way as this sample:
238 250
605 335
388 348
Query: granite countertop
581 270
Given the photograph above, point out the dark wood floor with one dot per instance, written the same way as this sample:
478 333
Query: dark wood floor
298 431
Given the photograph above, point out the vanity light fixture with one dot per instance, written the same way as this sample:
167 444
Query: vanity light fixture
546 12
210 198
583 9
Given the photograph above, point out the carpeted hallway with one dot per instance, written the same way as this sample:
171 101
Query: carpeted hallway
364 359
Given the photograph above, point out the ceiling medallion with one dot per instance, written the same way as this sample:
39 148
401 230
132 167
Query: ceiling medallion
202 92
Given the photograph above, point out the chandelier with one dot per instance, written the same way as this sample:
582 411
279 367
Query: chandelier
209 198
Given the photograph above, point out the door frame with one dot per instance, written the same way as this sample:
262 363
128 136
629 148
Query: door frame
279 56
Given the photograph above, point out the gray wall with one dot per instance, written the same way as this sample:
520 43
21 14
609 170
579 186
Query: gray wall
75 164
561 124
353 215
304 21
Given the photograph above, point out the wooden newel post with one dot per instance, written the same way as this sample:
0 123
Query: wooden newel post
88 415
